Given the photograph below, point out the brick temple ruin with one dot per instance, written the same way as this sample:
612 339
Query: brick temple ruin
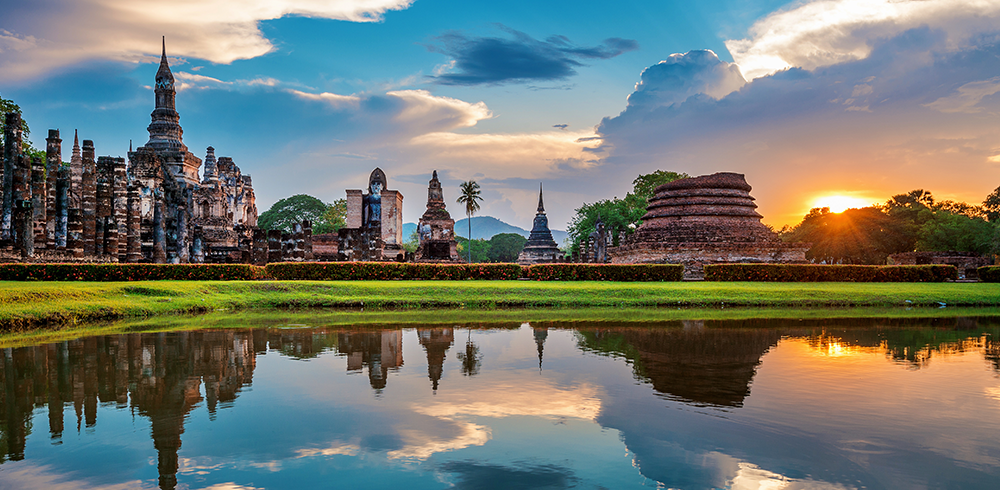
436 229
705 220
156 209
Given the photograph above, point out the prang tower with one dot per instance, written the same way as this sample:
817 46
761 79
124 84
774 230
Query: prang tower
165 133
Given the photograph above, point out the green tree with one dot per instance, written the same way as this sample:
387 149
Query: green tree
469 196
620 216
505 247
285 213
7 106
412 242
991 206
856 236
952 231
478 252
334 218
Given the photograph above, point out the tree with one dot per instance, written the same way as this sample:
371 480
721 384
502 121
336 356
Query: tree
285 213
412 242
505 247
958 232
479 250
7 106
620 216
991 205
469 196
856 236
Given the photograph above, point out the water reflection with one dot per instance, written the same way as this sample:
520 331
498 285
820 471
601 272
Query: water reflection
710 365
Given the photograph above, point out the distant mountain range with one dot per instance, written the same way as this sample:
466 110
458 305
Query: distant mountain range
485 227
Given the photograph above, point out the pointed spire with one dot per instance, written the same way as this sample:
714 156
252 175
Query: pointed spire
163 57
76 137
541 207
130 146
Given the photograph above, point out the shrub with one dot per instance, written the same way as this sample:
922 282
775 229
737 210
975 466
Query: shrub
990 273
355 271
829 273
130 272
605 272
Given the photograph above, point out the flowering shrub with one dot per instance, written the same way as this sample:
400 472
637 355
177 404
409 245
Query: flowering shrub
990 273
130 272
829 273
367 271
605 272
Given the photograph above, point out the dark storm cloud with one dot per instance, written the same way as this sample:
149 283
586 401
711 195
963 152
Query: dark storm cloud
518 58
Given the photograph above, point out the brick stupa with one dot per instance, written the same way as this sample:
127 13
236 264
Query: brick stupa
705 220
436 229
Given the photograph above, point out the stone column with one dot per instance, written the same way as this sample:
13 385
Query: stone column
11 152
53 163
23 222
119 208
62 208
183 213
39 193
159 230
307 247
88 198
299 244
197 248
105 210
259 247
133 249
273 246
74 231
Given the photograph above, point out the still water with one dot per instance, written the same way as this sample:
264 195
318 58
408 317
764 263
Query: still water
828 404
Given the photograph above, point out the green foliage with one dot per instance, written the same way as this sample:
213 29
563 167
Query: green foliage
644 186
284 214
829 273
856 236
9 106
505 247
605 272
412 242
991 206
620 216
990 273
480 249
130 272
948 231
367 271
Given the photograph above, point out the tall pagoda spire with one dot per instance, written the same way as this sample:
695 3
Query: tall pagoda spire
165 131
541 207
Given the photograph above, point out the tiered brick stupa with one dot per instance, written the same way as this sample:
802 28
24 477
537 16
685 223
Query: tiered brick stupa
541 248
436 229
705 220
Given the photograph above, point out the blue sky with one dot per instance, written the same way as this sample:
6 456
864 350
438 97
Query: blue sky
857 98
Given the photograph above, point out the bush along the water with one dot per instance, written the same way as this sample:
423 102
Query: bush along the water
829 273
130 272
990 273
366 271
605 272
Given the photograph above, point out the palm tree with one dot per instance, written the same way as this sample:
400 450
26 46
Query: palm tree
469 196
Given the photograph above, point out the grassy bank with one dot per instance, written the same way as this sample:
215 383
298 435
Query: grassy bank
31 304
492 319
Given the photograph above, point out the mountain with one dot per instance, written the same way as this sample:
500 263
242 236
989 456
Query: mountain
485 227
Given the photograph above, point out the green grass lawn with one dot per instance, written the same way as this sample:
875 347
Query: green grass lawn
31 304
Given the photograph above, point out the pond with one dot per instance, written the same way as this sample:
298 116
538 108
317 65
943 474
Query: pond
829 404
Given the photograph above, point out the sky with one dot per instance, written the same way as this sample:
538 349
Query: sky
861 99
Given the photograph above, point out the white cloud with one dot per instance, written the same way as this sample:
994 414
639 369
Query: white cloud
420 105
967 97
336 100
37 37
680 76
826 32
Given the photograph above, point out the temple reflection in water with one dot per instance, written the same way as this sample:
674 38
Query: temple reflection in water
164 376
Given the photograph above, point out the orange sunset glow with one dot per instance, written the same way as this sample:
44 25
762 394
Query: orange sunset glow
839 203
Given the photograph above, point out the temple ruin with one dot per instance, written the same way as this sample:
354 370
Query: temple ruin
155 209
705 220
374 223
436 229
541 248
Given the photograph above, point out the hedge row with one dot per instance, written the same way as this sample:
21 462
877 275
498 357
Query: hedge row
605 272
990 273
363 271
130 272
830 273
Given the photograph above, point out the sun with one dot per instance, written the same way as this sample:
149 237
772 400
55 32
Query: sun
839 203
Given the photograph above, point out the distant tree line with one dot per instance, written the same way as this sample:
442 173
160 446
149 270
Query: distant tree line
502 247
909 222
